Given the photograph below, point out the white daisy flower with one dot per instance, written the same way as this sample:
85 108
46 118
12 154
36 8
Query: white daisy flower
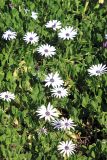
54 24
59 92
105 36
97 70
66 124
26 10
53 80
66 148
34 15
67 33
46 50
8 96
42 130
56 124
49 113
31 37
8 35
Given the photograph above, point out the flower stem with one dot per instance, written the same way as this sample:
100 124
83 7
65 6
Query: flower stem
65 158
85 8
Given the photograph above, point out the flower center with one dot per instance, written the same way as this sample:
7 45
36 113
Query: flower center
42 130
51 80
9 35
54 25
59 92
30 38
47 113
66 148
58 124
6 96
66 124
67 34
98 71
46 50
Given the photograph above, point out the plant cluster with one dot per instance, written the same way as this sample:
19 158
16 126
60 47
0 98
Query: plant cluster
53 80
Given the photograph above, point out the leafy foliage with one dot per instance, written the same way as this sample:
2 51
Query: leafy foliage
22 72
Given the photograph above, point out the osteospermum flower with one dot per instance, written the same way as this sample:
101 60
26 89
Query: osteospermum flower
105 44
42 130
97 70
59 92
53 80
7 96
105 36
8 35
31 37
67 33
54 24
46 50
34 15
66 124
56 124
26 10
66 148
49 113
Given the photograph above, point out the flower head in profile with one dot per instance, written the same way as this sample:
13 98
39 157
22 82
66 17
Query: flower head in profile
67 33
7 96
31 37
46 50
54 24
49 113
8 35
66 148
59 92
53 80
34 15
105 44
97 70
56 123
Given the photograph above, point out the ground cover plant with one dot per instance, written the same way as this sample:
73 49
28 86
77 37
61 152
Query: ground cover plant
53 80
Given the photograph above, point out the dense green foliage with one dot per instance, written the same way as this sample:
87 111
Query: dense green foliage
22 72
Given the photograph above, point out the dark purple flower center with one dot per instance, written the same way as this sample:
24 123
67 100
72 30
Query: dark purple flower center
58 124
66 148
46 50
6 96
51 80
30 38
9 35
67 34
47 113
42 130
54 25
98 71
66 124
59 92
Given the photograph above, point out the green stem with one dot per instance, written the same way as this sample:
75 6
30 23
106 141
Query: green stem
85 8
77 5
